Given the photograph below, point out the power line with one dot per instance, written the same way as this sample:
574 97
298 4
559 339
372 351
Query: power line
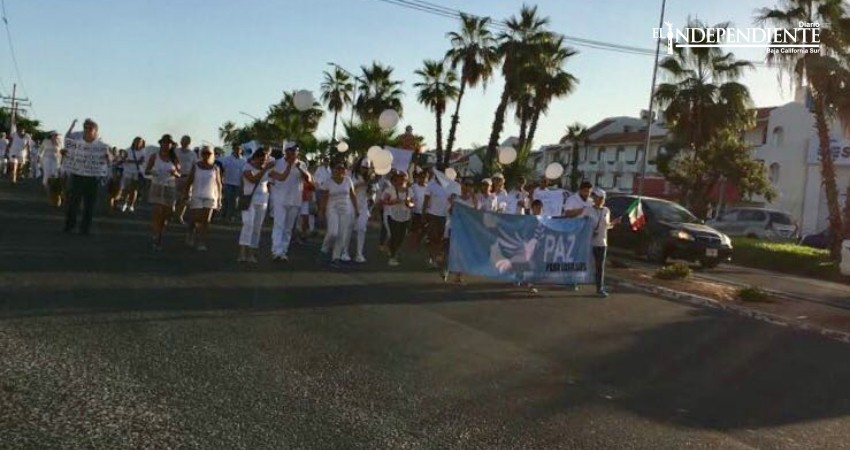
12 48
443 11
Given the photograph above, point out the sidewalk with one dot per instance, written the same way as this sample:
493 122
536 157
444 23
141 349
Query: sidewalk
837 294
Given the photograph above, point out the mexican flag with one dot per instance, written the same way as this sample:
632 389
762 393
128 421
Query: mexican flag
635 214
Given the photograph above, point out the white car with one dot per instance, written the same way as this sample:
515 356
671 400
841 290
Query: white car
758 223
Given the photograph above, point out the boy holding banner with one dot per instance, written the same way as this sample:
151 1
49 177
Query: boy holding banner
600 222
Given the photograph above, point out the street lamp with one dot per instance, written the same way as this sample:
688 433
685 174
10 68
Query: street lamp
249 115
651 102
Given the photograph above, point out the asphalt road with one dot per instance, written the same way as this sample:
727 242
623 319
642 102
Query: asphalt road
105 344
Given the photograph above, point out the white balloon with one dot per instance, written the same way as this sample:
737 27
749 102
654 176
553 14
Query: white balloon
342 147
507 155
554 171
303 100
388 119
383 170
383 160
451 174
373 151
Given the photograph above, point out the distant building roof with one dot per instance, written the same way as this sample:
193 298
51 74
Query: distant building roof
632 137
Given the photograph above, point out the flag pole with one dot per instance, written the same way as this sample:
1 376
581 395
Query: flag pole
651 102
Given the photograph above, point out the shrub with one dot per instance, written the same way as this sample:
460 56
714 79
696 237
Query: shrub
675 271
753 294
784 257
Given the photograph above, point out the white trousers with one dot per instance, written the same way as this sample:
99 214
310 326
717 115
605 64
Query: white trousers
339 231
284 220
252 225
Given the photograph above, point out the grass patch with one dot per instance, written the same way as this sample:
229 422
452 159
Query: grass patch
785 257
675 271
753 294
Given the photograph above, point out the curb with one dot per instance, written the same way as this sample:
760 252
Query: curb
705 302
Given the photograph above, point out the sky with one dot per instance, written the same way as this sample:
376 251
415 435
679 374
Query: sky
148 67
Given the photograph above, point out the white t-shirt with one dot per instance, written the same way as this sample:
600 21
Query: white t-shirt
486 202
439 195
600 223
4 144
162 172
418 193
261 196
398 212
516 202
503 201
289 192
19 146
361 191
205 184
322 175
576 202
187 159
339 195
133 166
233 169
552 199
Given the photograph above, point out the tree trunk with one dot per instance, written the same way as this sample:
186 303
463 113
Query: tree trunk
333 133
827 170
440 136
498 124
574 174
532 128
523 127
453 129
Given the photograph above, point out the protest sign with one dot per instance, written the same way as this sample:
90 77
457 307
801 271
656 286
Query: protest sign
87 159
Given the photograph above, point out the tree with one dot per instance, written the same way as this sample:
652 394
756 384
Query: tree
362 135
518 47
703 102
828 77
337 90
437 86
576 135
226 132
549 82
474 49
378 92
287 122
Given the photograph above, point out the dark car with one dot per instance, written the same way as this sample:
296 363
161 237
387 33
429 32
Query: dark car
671 231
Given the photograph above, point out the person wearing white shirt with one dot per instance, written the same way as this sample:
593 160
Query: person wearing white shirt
518 199
233 165
435 207
51 158
164 169
19 149
256 188
362 179
84 182
131 176
204 184
287 194
4 153
320 177
600 223
485 199
417 222
398 202
503 201
576 203
187 158
338 207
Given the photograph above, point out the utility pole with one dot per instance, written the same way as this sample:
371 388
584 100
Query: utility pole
649 117
14 104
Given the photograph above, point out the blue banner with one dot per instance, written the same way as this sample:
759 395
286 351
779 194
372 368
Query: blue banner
520 248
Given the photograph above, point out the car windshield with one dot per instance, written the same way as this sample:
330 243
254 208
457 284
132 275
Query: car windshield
780 219
670 212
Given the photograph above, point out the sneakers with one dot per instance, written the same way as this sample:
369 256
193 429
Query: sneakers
131 208
360 259
345 258
124 207
202 248
602 294
394 262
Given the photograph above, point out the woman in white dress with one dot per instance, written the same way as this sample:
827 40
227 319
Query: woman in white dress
51 159
164 170
362 178
338 209
255 184
203 191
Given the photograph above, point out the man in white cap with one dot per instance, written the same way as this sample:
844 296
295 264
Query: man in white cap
600 223
502 197
287 195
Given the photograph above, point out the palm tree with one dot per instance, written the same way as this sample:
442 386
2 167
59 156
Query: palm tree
290 123
828 77
438 85
702 98
576 135
550 82
474 50
378 92
518 47
362 135
337 90
227 131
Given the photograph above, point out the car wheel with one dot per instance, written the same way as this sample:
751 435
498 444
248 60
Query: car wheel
655 252
709 263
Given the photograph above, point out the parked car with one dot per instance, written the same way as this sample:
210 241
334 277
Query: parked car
757 223
671 231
